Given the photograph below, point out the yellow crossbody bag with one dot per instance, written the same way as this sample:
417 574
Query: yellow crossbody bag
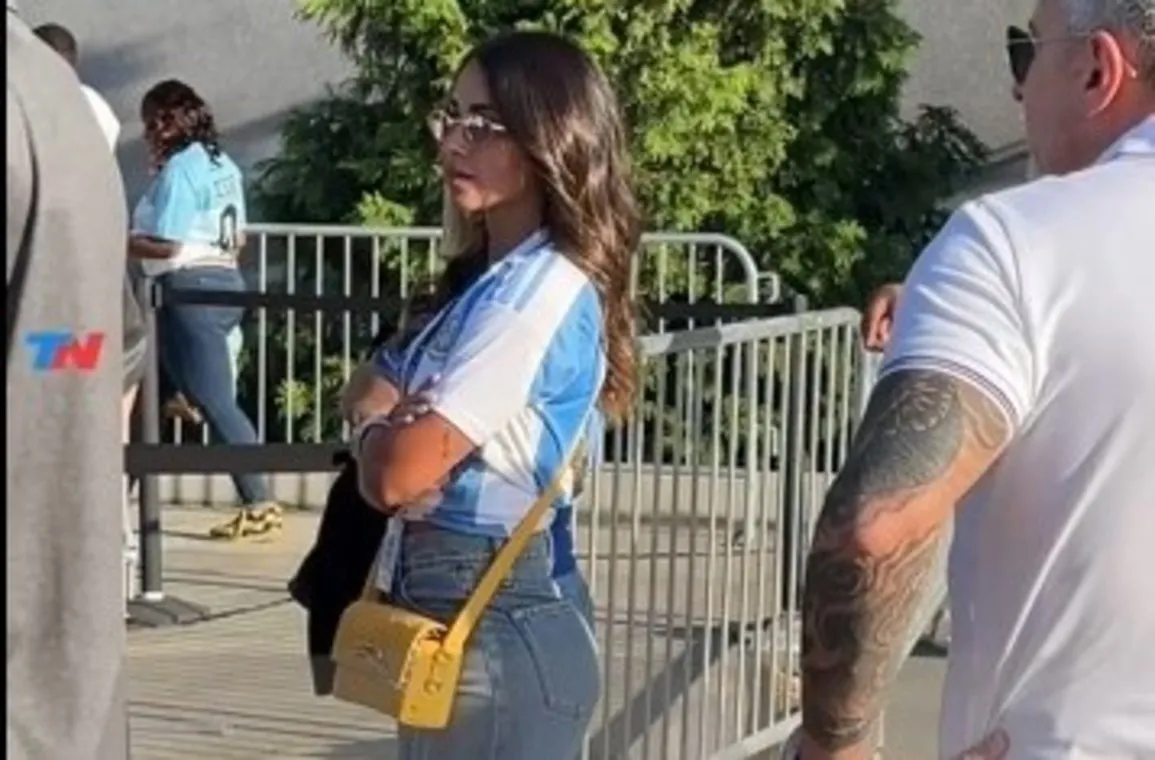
406 665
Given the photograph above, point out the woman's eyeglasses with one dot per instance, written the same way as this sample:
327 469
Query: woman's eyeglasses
475 128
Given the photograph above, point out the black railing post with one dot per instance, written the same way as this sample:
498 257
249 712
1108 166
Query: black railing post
153 607
151 545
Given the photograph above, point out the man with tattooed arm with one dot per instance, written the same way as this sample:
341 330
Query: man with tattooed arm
1016 398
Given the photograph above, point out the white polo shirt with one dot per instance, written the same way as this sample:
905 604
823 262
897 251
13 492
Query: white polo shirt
1044 296
109 124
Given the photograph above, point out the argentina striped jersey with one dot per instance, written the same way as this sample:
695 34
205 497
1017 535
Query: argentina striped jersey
521 364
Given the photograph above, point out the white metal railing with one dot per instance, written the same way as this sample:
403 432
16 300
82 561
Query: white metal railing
696 525
694 532
293 364
694 544
694 529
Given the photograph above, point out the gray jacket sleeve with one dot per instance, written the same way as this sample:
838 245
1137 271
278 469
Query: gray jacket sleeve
21 181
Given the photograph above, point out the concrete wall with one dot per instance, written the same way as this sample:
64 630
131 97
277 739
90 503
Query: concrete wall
250 59
254 62
962 62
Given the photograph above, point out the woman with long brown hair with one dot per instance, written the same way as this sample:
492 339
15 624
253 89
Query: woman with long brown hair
490 398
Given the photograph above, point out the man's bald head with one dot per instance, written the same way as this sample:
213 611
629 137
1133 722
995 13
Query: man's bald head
61 40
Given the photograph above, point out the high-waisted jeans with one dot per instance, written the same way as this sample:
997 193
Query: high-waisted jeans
573 587
530 681
195 353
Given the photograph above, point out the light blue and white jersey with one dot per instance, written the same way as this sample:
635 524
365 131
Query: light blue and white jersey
521 366
197 201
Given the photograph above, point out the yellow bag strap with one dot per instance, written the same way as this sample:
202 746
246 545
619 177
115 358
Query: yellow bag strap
497 571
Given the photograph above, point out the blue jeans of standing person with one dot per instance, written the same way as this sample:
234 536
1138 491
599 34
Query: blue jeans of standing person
194 351
573 587
530 680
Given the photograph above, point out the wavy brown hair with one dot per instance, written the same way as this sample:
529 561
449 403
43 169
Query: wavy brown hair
563 114
175 110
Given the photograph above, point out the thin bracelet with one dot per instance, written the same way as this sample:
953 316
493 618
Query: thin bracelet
363 429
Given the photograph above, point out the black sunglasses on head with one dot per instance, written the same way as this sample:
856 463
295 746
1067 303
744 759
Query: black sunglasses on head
1020 52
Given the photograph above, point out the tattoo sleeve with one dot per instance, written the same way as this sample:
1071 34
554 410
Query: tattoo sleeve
924 441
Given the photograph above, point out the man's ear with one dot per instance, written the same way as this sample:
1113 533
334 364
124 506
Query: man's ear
1107 71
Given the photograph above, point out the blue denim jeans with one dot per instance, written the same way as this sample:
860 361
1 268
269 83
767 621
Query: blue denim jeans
530 681
194 352
574 588
236 341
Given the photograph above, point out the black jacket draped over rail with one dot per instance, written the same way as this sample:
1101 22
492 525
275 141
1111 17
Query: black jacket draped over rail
333 573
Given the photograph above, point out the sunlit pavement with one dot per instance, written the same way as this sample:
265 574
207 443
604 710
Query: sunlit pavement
238 686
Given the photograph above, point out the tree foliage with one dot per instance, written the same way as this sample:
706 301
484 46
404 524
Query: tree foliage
774 122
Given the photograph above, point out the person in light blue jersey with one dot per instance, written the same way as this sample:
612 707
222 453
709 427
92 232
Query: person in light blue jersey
370 392
495 391
187 231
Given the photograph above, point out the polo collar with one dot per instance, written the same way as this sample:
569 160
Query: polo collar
1138 141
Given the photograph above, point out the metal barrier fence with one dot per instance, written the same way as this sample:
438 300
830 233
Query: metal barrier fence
295 360
739 429
694 546
718 477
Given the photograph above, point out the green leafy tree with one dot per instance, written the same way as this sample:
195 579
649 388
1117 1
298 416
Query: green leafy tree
776 123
